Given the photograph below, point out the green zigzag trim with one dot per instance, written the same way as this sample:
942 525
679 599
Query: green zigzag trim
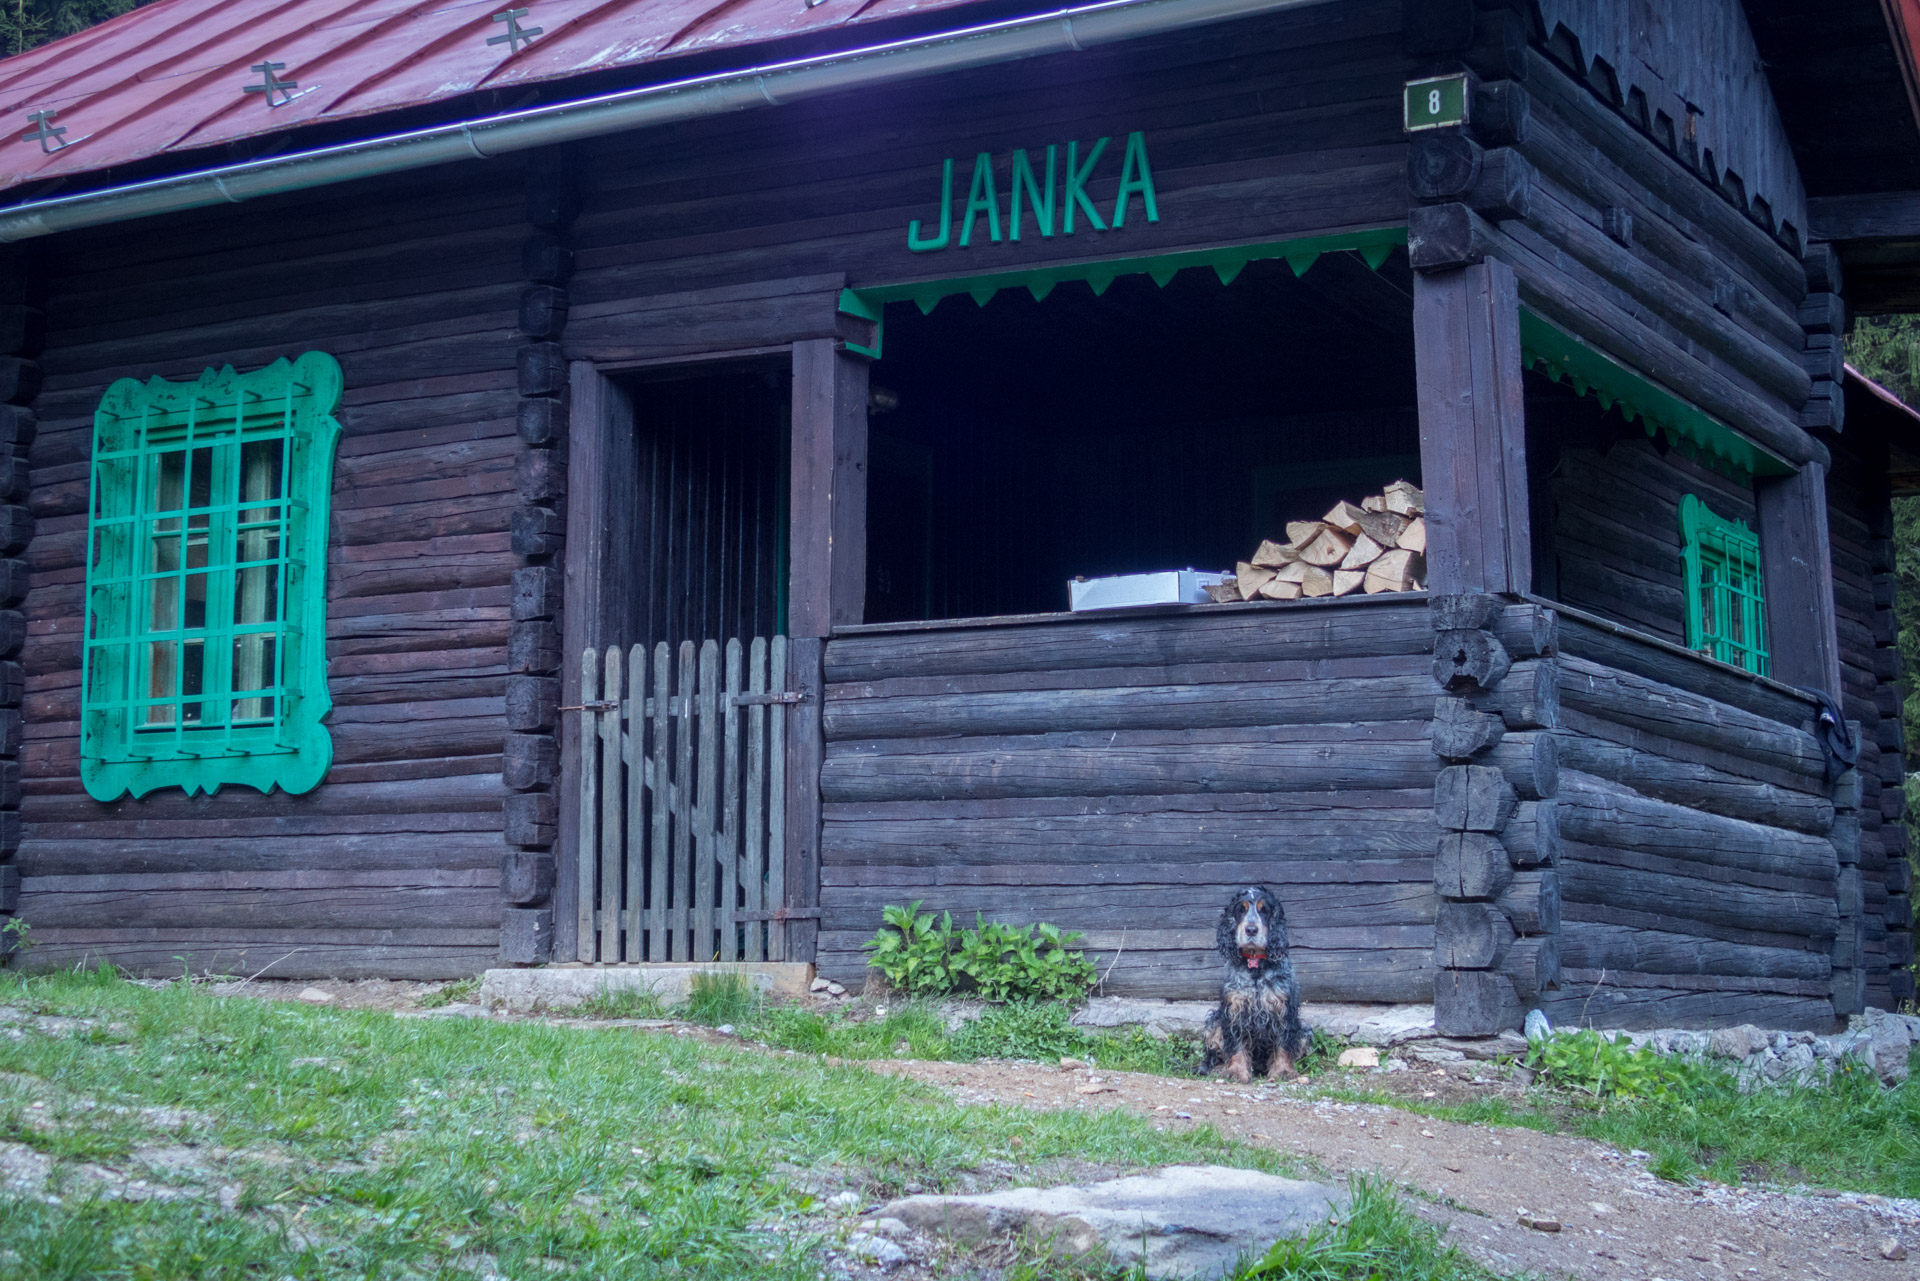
1699 435
869 303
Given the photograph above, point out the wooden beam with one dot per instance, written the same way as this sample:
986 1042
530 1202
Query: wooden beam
827 557
1796 563
603 467
1881 215
1473 457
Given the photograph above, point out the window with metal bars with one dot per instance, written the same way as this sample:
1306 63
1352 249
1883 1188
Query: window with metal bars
204 659
1726 600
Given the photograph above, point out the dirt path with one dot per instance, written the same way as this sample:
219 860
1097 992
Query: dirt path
1618 1221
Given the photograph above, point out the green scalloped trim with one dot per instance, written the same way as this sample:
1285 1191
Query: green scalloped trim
1700 436
869 302
294 752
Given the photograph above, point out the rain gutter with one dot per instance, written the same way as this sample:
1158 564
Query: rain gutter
1069 30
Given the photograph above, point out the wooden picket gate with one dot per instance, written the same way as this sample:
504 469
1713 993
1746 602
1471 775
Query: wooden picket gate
683 802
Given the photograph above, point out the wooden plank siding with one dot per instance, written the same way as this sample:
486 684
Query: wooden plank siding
1121 776
738 231
1696 869
391 866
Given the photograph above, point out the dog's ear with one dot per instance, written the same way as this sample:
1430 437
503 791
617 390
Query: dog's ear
1229 919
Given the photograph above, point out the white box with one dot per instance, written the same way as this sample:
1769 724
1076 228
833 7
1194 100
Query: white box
1168 587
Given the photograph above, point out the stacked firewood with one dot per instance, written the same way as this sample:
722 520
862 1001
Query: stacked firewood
1379 546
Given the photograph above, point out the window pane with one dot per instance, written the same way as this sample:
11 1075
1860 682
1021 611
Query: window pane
193 672
169 480
196 610
253 668
160 674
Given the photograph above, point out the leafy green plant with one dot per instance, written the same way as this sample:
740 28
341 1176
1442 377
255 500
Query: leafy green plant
15 936
918 954
1604 1066
913 951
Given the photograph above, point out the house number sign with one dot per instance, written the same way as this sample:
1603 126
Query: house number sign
1052 198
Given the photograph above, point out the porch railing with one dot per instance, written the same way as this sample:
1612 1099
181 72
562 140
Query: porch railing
683 802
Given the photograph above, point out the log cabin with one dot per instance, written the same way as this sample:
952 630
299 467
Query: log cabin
600 481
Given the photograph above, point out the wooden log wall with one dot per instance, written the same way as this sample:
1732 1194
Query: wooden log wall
530 765
1618 242
1495 945
1860 519
393 865
1698 873
1121 776
22 283
736 233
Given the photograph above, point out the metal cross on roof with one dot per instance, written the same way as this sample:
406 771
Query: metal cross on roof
515 33
45 132
272 86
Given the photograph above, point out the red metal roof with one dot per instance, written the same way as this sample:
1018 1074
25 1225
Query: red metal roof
169 77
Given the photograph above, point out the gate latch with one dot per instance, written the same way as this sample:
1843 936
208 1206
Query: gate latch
788 698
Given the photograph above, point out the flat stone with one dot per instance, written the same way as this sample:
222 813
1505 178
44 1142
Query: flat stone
1185 1221
1360 1056
1159 1018
315 996
525 991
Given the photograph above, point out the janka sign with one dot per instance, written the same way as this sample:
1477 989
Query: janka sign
1047 197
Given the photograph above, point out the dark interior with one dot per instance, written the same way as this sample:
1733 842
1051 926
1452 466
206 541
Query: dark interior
708 518
1018 444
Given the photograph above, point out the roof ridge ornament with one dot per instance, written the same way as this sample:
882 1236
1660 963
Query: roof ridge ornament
514 33
45 132
271 86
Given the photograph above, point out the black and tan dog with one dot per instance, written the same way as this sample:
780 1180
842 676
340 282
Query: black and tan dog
1256 1031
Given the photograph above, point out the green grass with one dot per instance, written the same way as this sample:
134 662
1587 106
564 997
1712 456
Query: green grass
354 1144
462 990
1852 1134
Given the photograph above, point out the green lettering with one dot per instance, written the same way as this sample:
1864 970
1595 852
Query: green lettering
914 240
1136 175
1077 175
1041 199
982 197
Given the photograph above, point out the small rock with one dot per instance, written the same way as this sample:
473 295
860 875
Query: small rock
876 1250
1736 1042
725 1029
834 989
315 996
230 1197
1537 1025
1360 1056
844 1200
1095 1087
892 1228
818 985
1893 1250
1073 1065
1539 1224
1600 1209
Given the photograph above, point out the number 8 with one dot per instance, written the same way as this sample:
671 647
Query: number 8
1433 103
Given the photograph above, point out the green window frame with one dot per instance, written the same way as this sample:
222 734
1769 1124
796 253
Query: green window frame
1726 595
204 661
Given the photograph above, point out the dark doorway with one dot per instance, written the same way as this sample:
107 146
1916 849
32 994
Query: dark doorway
708 513
1019 444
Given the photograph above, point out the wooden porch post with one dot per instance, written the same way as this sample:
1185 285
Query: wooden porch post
603 464
827 586
1796 564
1473 466
1473 441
